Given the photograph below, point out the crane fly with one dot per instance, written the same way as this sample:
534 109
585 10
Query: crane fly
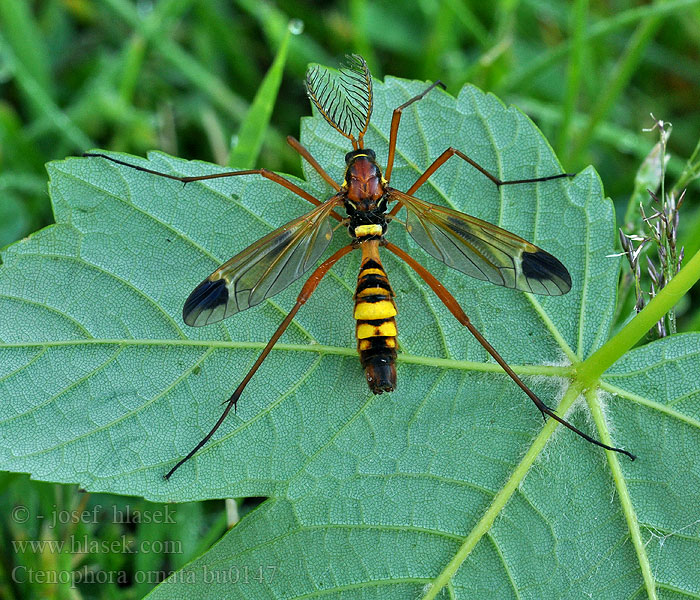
465 243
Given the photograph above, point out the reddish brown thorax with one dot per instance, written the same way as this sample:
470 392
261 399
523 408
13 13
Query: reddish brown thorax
364 181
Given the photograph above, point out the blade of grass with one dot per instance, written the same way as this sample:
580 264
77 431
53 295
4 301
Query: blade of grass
133 56
228 38
274 23
196 73
690 172
467 19
441 38
43 103
623 140
256 122
579 16
619 78
359 17
23 35
218 140
604 27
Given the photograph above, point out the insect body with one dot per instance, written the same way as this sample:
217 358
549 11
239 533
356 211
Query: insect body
366 204
376 327
465 243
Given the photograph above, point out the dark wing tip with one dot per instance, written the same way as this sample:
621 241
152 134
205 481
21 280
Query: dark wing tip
542 266
205 298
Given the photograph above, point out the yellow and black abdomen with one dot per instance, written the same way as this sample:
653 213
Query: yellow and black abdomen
376 327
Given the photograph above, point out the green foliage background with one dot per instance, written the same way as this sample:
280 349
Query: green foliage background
182 76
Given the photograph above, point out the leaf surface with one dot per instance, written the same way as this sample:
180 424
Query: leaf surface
370 496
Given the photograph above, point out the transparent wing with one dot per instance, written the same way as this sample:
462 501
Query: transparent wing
345 100
263 269
482 250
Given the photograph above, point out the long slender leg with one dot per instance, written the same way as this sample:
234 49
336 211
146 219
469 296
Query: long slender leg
443 158
294 143
447 154
304 295
395 119
263 172
454 307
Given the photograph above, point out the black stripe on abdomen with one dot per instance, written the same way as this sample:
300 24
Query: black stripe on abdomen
376 327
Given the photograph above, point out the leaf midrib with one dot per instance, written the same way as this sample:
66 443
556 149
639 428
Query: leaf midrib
416 359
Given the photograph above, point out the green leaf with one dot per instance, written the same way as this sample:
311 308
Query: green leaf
451 480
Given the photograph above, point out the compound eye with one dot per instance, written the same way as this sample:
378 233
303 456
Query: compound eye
371 153
348 156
